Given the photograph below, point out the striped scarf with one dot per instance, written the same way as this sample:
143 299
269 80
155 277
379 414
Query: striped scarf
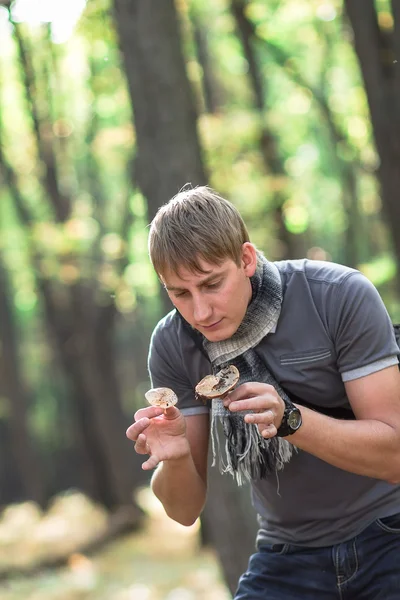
245 453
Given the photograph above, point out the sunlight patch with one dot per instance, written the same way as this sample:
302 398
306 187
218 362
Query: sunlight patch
62 15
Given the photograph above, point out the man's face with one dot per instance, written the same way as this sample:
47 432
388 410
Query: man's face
214 302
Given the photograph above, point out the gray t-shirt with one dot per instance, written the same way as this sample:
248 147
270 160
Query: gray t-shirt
333 328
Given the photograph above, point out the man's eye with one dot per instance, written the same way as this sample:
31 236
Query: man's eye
180 294
214 286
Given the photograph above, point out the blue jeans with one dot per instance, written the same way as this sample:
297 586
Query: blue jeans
366 567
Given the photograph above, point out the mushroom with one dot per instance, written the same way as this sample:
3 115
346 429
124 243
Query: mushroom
162 397
218 385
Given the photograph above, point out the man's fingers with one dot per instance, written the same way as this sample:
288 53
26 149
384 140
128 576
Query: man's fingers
148 412
171 412
256 404
151 463
264 421
133 432
249 390
266 416
269 431
141 446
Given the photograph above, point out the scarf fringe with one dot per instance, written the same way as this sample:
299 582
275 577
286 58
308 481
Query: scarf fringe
246 455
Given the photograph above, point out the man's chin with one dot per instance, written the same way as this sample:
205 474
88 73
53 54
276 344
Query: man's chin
223 331
217 336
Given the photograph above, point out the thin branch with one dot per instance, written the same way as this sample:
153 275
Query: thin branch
268 143
10 179
283 59
61 204
247 32
367 43
396 43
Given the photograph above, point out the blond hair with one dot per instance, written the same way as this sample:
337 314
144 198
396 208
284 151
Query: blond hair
196 224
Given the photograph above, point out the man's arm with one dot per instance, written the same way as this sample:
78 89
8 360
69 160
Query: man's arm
368 446
181 485
179 448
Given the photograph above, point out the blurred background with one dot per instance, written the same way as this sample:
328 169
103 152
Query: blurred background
289 108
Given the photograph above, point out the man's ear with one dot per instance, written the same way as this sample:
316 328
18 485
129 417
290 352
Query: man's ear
249 259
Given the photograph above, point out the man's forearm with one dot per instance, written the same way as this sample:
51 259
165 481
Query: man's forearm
181 490
365 447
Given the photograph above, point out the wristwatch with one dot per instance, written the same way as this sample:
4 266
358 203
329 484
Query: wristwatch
291 420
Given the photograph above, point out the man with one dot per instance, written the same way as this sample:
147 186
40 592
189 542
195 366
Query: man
314 423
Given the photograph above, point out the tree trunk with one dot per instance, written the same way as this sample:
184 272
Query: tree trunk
378 52
42 128
73 318
293 244
212 89
230 524
100 419
23 448
168 151
168 156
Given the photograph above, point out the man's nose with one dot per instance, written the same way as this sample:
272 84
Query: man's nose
201 310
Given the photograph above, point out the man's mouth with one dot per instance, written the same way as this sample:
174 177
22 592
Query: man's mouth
208 327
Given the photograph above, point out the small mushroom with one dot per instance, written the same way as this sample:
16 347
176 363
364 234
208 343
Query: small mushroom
162 397
218 385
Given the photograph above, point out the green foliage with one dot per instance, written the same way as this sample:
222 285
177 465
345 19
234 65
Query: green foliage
314 182
381 270
315 107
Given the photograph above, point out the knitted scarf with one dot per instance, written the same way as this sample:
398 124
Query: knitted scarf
246 454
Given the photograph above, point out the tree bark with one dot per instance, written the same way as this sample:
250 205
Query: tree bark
212 89
74 320
23 447
168 151
379 59
268 146
168 156
230 524
42 128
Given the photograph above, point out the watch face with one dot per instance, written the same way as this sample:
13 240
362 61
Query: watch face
294 419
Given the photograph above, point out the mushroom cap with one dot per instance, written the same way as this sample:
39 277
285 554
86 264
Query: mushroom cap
218 385
162 397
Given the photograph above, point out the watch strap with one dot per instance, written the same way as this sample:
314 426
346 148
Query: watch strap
285 429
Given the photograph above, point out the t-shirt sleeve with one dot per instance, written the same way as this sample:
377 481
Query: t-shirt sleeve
166 369
363 332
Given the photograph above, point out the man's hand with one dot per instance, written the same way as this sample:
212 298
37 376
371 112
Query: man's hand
159 433
265 406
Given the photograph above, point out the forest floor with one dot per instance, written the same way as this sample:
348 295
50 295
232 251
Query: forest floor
164 561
